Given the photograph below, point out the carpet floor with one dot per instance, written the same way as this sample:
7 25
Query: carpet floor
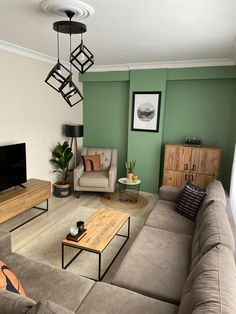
46 246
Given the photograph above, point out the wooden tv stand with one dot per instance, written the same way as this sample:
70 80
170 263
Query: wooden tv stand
16 200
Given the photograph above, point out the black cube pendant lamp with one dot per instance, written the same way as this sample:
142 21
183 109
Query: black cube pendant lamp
60 78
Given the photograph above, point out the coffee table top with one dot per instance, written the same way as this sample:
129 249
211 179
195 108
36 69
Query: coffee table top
101 227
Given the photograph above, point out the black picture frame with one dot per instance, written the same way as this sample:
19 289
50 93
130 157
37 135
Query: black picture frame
146 111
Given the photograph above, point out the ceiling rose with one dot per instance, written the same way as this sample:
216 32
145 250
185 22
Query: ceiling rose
58 7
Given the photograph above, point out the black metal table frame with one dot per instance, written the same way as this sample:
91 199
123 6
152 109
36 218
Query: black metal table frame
44 210
129 193
100 276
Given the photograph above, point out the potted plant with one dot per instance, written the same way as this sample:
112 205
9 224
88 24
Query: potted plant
130 165
62 155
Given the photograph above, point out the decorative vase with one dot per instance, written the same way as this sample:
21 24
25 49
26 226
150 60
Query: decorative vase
130 176
61 190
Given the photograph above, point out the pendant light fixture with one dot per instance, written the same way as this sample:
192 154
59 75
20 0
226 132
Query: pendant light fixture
60 77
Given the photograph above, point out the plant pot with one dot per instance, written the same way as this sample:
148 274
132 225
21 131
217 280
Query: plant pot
61 190
130 176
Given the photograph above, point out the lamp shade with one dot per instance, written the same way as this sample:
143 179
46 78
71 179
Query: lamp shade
74 130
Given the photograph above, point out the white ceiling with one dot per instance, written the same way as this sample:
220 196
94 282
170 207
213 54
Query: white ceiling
131 31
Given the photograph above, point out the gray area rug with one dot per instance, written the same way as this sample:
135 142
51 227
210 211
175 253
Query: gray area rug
46 247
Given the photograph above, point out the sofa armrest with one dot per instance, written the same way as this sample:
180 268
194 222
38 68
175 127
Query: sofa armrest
78 172
5 243
169 193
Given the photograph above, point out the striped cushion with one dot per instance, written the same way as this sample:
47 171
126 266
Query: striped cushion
190 201
9 281
92 163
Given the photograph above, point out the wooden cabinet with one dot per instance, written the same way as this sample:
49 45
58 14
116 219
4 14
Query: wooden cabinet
16 200
184 163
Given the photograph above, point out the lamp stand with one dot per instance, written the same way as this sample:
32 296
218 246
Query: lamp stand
73 144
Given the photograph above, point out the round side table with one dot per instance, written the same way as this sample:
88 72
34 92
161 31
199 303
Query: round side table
129 190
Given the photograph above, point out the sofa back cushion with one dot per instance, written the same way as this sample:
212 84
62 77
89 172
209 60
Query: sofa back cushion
214 192
213 228
211 285
105 156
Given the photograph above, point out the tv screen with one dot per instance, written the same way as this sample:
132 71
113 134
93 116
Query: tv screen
12 165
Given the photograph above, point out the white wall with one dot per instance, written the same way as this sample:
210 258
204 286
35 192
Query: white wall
233 187
32 112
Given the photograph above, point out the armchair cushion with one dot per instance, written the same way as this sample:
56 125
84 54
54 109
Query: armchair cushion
94 179
92 163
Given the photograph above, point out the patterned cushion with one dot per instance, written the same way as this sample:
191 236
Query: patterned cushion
9 281
190 201
92 163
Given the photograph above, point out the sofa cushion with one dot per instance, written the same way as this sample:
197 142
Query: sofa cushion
163 216
157 264
104 298
48 307
9 281
214 192
211 285
13 303
212 229
45 282
94 179
190 201
91 163
169 193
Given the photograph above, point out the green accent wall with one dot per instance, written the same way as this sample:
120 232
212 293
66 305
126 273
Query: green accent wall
198 102
105 114
202 108
145 147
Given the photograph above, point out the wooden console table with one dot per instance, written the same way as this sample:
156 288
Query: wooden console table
15 201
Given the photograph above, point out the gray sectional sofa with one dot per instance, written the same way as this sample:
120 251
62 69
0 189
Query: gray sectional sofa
174 266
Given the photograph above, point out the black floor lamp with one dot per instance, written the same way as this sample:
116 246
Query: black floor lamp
74 131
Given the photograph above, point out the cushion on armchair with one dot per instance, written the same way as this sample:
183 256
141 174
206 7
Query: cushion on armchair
91 163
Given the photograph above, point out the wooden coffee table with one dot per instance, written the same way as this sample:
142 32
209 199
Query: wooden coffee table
101 227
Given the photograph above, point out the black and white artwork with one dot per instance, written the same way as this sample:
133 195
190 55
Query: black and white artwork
146 111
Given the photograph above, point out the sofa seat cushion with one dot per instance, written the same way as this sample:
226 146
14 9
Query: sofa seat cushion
213 228
104 298
163 216
156 265
44 282
211 285
13 303
94 179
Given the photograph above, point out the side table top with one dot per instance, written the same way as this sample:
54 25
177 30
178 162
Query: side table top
125 181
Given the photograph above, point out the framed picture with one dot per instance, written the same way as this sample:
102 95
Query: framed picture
146 111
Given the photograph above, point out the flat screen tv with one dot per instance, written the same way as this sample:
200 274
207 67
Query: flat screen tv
12 165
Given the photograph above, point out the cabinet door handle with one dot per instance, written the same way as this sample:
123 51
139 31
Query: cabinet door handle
185 166
186 177
194 167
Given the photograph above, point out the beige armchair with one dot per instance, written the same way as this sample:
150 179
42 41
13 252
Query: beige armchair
102 181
